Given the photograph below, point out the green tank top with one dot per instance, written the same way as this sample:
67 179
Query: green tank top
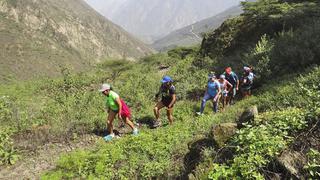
111 101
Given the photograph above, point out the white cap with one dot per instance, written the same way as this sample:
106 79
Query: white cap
246 68
105 87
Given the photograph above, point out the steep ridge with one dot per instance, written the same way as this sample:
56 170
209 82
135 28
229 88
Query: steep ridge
151 20
38 36
191 34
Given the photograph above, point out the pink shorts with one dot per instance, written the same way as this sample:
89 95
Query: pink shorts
126 112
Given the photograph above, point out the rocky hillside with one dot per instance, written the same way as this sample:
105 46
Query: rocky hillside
192 34
39 36
151 20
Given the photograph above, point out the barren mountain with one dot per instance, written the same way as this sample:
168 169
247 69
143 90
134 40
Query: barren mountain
192 34
39 36
152 19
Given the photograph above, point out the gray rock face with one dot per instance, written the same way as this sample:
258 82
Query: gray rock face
221 133
293 162
248 116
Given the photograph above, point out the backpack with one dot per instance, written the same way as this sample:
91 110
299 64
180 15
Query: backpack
248 79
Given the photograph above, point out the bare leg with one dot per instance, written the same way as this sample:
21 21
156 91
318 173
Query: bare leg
110 120
228 99
215 105
224 99
156 110
170 115
129 122
245 93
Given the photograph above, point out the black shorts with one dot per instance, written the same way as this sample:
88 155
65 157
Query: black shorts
166 102
245 88
115 111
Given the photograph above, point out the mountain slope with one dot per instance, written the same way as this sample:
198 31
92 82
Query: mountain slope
191 34
151 20
39 36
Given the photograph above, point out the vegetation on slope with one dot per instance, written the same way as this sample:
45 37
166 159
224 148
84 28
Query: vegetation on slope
289 104
291 30
258 144
269 61
154 153
71 105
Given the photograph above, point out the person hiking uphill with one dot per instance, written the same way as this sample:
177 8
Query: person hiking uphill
116 106
226 87
167 92
234 80
213 91
247 81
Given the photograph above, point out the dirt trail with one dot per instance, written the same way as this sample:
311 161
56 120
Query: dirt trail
31 166
195 36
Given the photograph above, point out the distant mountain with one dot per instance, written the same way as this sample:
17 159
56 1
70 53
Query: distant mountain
39 36
152 19
191 34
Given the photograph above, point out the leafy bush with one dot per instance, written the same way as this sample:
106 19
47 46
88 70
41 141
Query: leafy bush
259 58
295 50
257 145
183 52
5 109
217 43
313 166
8 155
267 9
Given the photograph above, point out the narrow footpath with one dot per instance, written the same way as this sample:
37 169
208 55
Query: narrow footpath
31 166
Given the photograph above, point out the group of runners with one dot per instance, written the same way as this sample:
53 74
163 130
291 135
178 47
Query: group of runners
219 89
225 87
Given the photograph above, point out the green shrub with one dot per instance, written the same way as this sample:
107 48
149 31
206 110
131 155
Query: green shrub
296 50
5 109
313 166
259 58
183 52
8 155
257 145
